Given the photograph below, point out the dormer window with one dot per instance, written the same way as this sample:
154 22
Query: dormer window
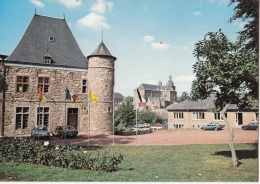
51 39
47 59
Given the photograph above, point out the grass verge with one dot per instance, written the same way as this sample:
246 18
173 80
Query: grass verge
189 163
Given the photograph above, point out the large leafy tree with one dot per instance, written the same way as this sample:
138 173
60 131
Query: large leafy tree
228 69
248 10
125 114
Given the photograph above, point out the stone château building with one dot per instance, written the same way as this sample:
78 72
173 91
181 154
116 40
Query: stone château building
156 96
48 57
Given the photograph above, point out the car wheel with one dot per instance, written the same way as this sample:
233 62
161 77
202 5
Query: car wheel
243 128
216 129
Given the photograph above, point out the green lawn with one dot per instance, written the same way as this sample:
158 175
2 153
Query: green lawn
200 163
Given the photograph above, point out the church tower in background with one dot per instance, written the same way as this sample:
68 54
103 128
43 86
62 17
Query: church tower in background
101 83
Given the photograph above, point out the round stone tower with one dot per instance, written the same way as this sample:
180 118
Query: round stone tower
101 83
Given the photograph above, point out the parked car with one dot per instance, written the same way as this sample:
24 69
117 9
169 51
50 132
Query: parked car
251 126
62 131
130 127
212 126
157 124
40 132
146 125
164 125
139 126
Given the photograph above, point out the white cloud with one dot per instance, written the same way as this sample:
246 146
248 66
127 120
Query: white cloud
196 13
70 3
38 3
148 38
93 21
160 45
101 5
183 83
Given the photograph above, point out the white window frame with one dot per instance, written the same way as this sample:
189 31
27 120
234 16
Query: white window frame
198 116
178 115
218 117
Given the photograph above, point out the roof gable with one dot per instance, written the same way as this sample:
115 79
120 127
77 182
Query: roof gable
36 42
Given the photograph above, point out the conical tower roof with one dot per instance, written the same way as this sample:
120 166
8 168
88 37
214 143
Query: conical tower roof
101 50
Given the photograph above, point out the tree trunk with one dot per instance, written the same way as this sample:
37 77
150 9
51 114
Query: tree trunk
231 136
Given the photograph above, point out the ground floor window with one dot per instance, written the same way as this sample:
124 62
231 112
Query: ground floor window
22 117
217 116
178 115
198 115
43 116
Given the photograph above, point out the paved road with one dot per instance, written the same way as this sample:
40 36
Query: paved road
180 137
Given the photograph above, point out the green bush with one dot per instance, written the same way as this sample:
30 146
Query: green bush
120 128
21 150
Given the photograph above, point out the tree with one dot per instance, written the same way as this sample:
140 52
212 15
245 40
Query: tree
248 9
149 117
222 68
184 96
124 115
229 70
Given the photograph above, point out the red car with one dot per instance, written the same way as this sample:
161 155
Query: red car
157 124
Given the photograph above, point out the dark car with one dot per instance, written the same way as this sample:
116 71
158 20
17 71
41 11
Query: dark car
62 131
212 126
40 132
251 126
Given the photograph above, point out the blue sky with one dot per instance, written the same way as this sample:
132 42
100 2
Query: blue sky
132 31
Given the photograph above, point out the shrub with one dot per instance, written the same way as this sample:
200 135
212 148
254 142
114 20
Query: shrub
21 150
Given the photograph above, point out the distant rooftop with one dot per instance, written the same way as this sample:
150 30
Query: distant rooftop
52 37
118 95
205 104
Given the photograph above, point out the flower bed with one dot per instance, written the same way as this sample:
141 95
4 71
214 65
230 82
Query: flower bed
20 150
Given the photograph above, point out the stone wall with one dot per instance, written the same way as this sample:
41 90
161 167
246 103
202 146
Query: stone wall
101 82
59 79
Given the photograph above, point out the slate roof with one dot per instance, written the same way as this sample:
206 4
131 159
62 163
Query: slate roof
118 95
152 87
199 105
101 50
36 43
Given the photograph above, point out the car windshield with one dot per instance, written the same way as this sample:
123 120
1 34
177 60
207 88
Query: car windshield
67 128
41 128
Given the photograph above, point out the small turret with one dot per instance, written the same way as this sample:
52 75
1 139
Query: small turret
101 83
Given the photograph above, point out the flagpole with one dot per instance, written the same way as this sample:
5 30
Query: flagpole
88 115
65 113
136 125
39 118
113 116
